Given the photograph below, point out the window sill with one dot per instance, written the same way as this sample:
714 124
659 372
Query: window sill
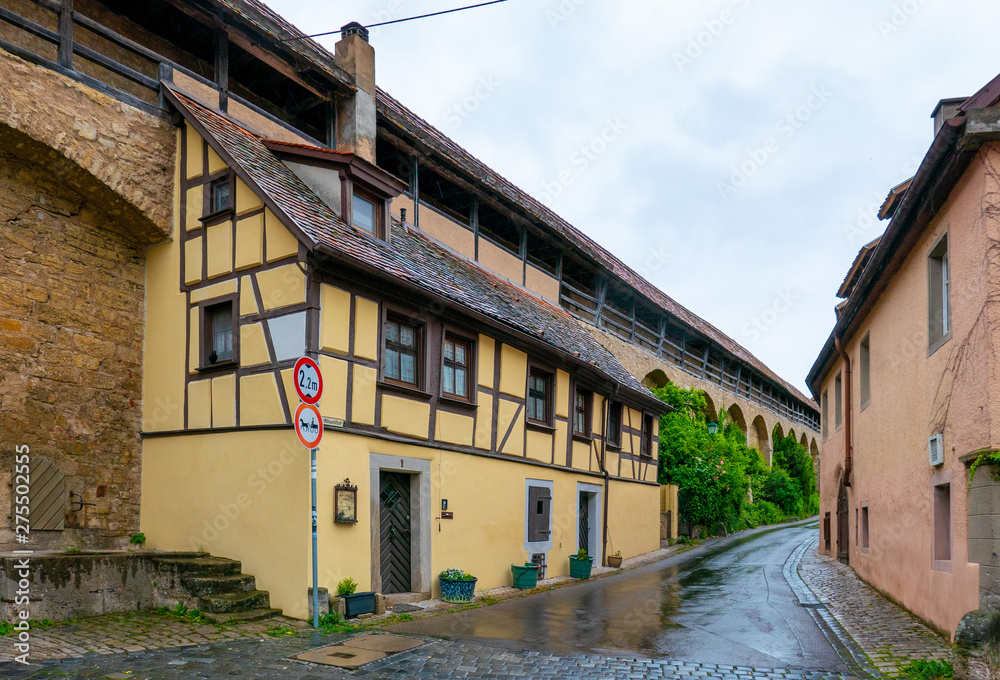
936 345
612 446
539 427
217 216
865 405
220 366
586 438
941 565
404 389
458 402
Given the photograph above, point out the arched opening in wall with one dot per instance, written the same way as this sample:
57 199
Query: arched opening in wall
814 453
762 443
736 415
777 434
791 433
655 379
711 412
804 441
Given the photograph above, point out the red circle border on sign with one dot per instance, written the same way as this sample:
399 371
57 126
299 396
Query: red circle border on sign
295 372
302 440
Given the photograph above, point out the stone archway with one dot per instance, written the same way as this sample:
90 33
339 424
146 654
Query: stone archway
711 411
763 444
777 434
791 433
655 379
736 415
804 440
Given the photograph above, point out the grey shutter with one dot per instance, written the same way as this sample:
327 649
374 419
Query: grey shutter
539 511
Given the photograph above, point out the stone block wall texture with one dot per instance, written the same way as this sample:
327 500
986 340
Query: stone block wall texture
86 185
984 534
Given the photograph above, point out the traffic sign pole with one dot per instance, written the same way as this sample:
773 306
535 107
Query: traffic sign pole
315 554
309 429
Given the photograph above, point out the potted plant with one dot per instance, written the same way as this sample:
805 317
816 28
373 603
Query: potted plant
525 577
615 561
138 540
457 585
580 564
355 603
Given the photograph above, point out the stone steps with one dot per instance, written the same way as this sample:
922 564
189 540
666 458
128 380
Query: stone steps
219 587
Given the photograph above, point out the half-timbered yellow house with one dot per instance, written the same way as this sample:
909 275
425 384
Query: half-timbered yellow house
481 425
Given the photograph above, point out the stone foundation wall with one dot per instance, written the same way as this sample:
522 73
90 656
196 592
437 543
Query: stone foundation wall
71 338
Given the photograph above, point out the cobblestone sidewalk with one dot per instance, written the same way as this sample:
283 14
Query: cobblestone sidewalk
889 635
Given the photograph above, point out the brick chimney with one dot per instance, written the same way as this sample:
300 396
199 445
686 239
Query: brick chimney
356 114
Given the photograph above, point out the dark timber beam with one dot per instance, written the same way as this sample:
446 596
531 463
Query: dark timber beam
66 34
222 67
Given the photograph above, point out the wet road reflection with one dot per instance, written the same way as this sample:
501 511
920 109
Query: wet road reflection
729 604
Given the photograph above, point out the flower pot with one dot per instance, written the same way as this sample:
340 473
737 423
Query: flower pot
614 561
457 591
580 568
525 577
359 603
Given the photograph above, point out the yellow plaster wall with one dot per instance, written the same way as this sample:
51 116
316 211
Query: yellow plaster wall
194 209
194 323
282 286
192 261
446 231
215 163
363 395
581 455
562 394
513 371
484 422
541 283
220 249
246 199
539 446
250 241
224 401
195 153
366 320
260 402
506 415
214 290
164 342
562 432
633 528
248 300
487 353
500 262
253 346
454 428
334 401
406 416
335 319
280 242
200 404
244 495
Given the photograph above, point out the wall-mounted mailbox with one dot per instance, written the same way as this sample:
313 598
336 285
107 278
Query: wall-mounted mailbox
447 515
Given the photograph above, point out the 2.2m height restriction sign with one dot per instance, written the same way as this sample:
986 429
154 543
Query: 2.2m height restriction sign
308 380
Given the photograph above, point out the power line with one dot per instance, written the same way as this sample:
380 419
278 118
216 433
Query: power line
399 21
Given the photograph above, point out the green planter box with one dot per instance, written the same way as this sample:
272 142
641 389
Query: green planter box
525 577
580 568
359 603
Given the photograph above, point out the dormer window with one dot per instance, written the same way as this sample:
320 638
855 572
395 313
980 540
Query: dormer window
365 215
220 195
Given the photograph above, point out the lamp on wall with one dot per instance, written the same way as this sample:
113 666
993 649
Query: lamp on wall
345 503
713 428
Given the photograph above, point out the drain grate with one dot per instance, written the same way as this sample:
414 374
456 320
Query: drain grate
812 605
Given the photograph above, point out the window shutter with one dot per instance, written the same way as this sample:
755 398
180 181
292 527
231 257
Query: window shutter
539 511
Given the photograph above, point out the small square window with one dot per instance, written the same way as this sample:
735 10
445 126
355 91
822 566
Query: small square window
582 411
456 373
614 436
539 396
364 215
220 195
402 353
218 337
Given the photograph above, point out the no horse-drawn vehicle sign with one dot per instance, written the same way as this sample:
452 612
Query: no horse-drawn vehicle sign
308 425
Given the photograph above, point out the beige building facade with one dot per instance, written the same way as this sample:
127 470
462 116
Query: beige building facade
905 382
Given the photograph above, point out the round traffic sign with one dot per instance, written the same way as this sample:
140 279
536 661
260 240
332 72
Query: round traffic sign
308 380
308 425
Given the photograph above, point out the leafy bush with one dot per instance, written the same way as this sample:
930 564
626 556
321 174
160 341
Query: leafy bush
721 479
347 587
922 669
456 575
138 539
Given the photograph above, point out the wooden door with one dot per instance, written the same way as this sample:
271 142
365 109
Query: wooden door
843 526
584 537
394 531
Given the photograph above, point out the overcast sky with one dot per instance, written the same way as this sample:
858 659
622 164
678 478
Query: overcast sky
733 152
